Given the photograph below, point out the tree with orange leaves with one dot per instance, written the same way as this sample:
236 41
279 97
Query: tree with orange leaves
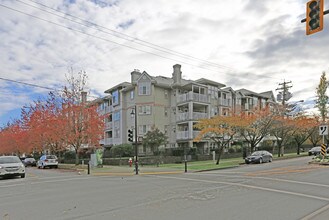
254 126
82 124
219 129
44 128
304 128
13 139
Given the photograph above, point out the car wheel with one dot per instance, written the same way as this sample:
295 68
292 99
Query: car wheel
271 159
56 166
260 160
23 175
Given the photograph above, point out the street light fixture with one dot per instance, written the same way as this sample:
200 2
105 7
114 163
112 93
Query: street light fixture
134 114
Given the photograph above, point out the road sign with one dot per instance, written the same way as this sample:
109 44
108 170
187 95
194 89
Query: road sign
323 129
323 149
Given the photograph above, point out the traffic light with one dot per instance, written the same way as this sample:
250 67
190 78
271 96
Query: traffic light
130 135
314 16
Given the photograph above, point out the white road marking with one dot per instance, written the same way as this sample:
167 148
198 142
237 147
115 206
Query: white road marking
265 178
250 187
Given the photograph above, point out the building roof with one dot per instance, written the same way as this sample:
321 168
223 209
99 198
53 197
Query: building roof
209 82
119 86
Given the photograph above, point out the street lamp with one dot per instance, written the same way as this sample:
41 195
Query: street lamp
134 114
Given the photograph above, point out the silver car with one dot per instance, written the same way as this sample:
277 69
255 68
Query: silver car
11 166
47 161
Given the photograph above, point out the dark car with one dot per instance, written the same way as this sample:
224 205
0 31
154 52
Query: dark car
30 161
259 157
316 151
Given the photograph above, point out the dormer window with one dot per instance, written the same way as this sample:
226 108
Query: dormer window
144 88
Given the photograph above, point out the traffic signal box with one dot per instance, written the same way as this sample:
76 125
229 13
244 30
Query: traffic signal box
314 16
130 135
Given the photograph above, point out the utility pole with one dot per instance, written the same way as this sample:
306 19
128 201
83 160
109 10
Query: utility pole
285 95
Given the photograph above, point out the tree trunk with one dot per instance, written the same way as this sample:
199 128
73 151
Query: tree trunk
220 151
76 157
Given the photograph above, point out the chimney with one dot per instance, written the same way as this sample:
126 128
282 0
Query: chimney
135 75
83 97
177 74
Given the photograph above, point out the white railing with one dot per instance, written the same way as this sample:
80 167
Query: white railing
182 135
225 102
199 115
108 141
182 116
192 97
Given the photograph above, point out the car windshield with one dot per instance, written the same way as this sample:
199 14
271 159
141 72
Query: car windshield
257 153
51 157
9 160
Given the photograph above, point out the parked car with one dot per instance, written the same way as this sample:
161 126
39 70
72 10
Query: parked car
259 157
11 166
47 161
316 151
30 161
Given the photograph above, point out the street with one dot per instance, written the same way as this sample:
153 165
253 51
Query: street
286 189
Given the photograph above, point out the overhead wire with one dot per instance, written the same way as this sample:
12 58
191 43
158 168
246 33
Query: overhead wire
125 36
37 86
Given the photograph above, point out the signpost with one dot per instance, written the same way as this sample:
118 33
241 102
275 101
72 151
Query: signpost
323 130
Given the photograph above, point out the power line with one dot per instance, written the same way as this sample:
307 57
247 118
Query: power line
28 84
91 35
104 39
130 38
36 86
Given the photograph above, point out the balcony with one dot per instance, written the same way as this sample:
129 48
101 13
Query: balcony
225 102
182 135
195 97
185 116
105 110
108 141
108 125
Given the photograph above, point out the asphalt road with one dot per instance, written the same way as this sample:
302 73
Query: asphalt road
287 189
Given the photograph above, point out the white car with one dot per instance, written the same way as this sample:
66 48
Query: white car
47 161
11 166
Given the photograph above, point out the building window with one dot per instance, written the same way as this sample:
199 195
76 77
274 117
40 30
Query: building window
144 88
144 110
117 133
166 94
143 129
115 97
132 94
116 116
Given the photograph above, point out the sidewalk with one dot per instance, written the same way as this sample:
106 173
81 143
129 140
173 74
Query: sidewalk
121 170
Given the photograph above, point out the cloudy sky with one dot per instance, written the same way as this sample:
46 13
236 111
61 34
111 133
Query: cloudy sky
251 44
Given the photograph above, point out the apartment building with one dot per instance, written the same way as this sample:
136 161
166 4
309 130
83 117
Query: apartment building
173 105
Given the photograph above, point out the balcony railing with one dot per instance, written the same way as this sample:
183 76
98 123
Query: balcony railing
108 141
106 110
190 96
108 125
184 135
225 102
185 116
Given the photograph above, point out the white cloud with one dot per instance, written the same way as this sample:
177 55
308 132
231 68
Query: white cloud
260 37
